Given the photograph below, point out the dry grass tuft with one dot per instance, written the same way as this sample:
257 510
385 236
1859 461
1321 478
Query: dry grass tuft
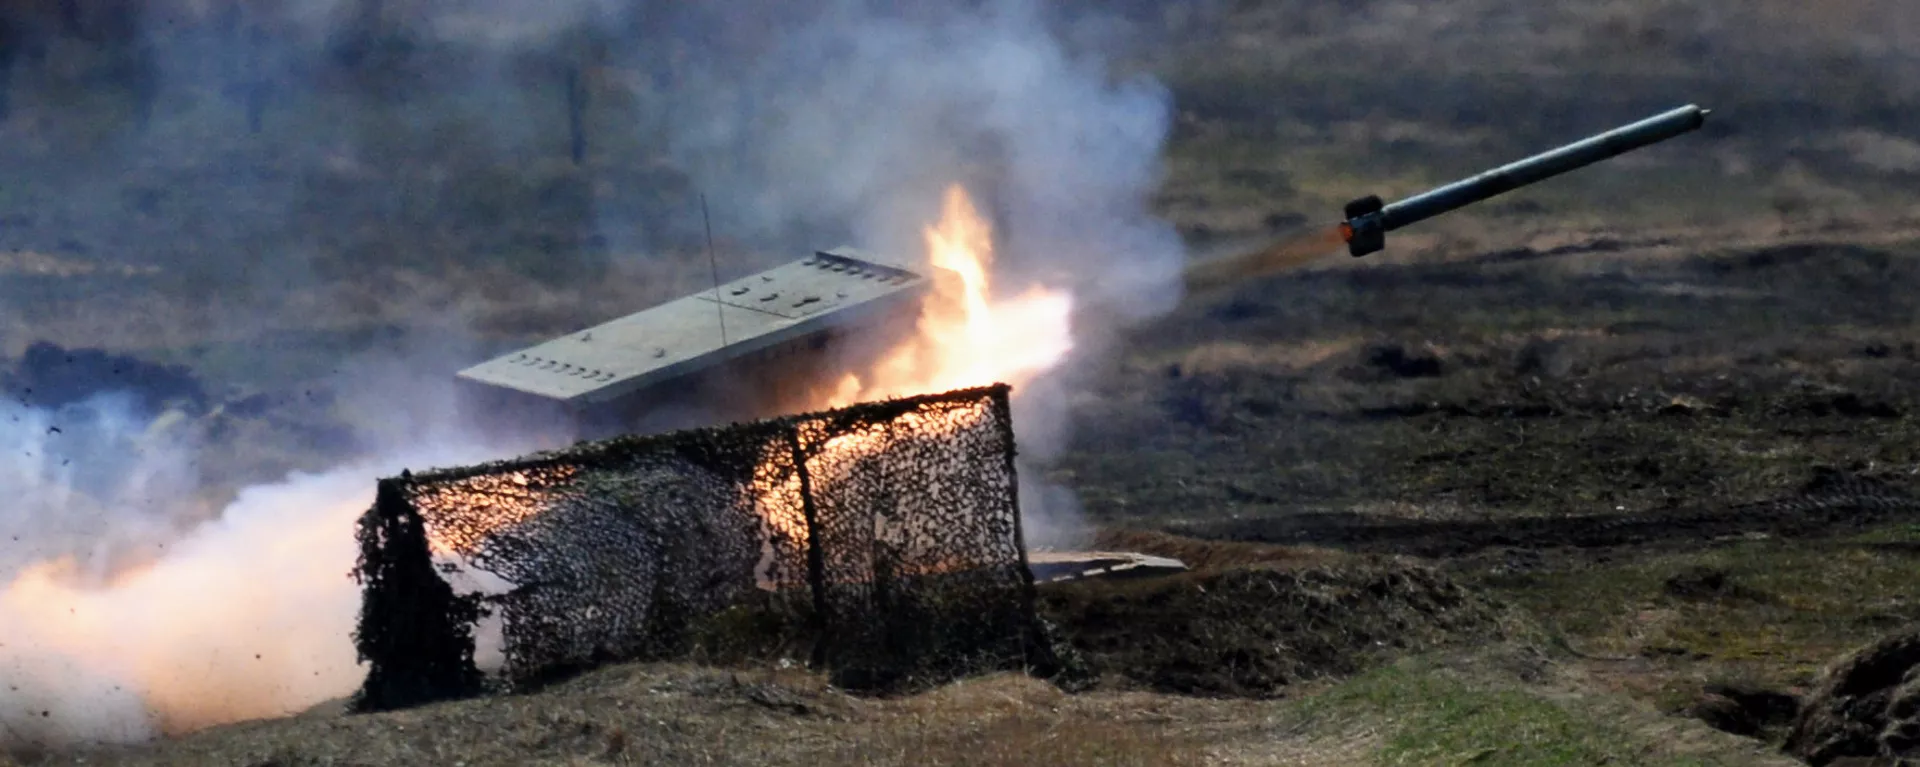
663 714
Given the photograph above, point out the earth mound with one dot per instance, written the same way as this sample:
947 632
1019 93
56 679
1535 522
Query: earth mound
1866 706
1250 629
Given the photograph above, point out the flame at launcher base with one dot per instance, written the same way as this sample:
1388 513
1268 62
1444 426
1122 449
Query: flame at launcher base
966 335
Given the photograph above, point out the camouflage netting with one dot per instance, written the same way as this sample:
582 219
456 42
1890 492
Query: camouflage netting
889 532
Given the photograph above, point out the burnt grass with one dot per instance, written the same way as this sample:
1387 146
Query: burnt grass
1544 388
1698 469
1257 630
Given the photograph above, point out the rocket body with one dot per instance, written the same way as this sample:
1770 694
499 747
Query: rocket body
1368 220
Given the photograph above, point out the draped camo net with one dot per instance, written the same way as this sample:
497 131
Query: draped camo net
887 532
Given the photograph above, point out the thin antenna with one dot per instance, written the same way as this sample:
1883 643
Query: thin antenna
713 263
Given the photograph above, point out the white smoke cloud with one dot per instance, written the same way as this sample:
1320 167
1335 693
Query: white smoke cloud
89 481
243 616
857 121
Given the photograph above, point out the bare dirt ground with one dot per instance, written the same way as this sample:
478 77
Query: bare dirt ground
1538 485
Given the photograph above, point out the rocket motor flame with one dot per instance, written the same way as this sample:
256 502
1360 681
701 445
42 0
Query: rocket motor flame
1282 255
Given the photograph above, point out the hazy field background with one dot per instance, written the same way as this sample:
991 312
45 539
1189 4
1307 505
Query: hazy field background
323 208
412 158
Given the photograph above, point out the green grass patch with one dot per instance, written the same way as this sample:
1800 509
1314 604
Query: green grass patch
1781 611
1425 714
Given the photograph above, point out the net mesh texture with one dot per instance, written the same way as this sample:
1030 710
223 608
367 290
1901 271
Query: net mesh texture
884 537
